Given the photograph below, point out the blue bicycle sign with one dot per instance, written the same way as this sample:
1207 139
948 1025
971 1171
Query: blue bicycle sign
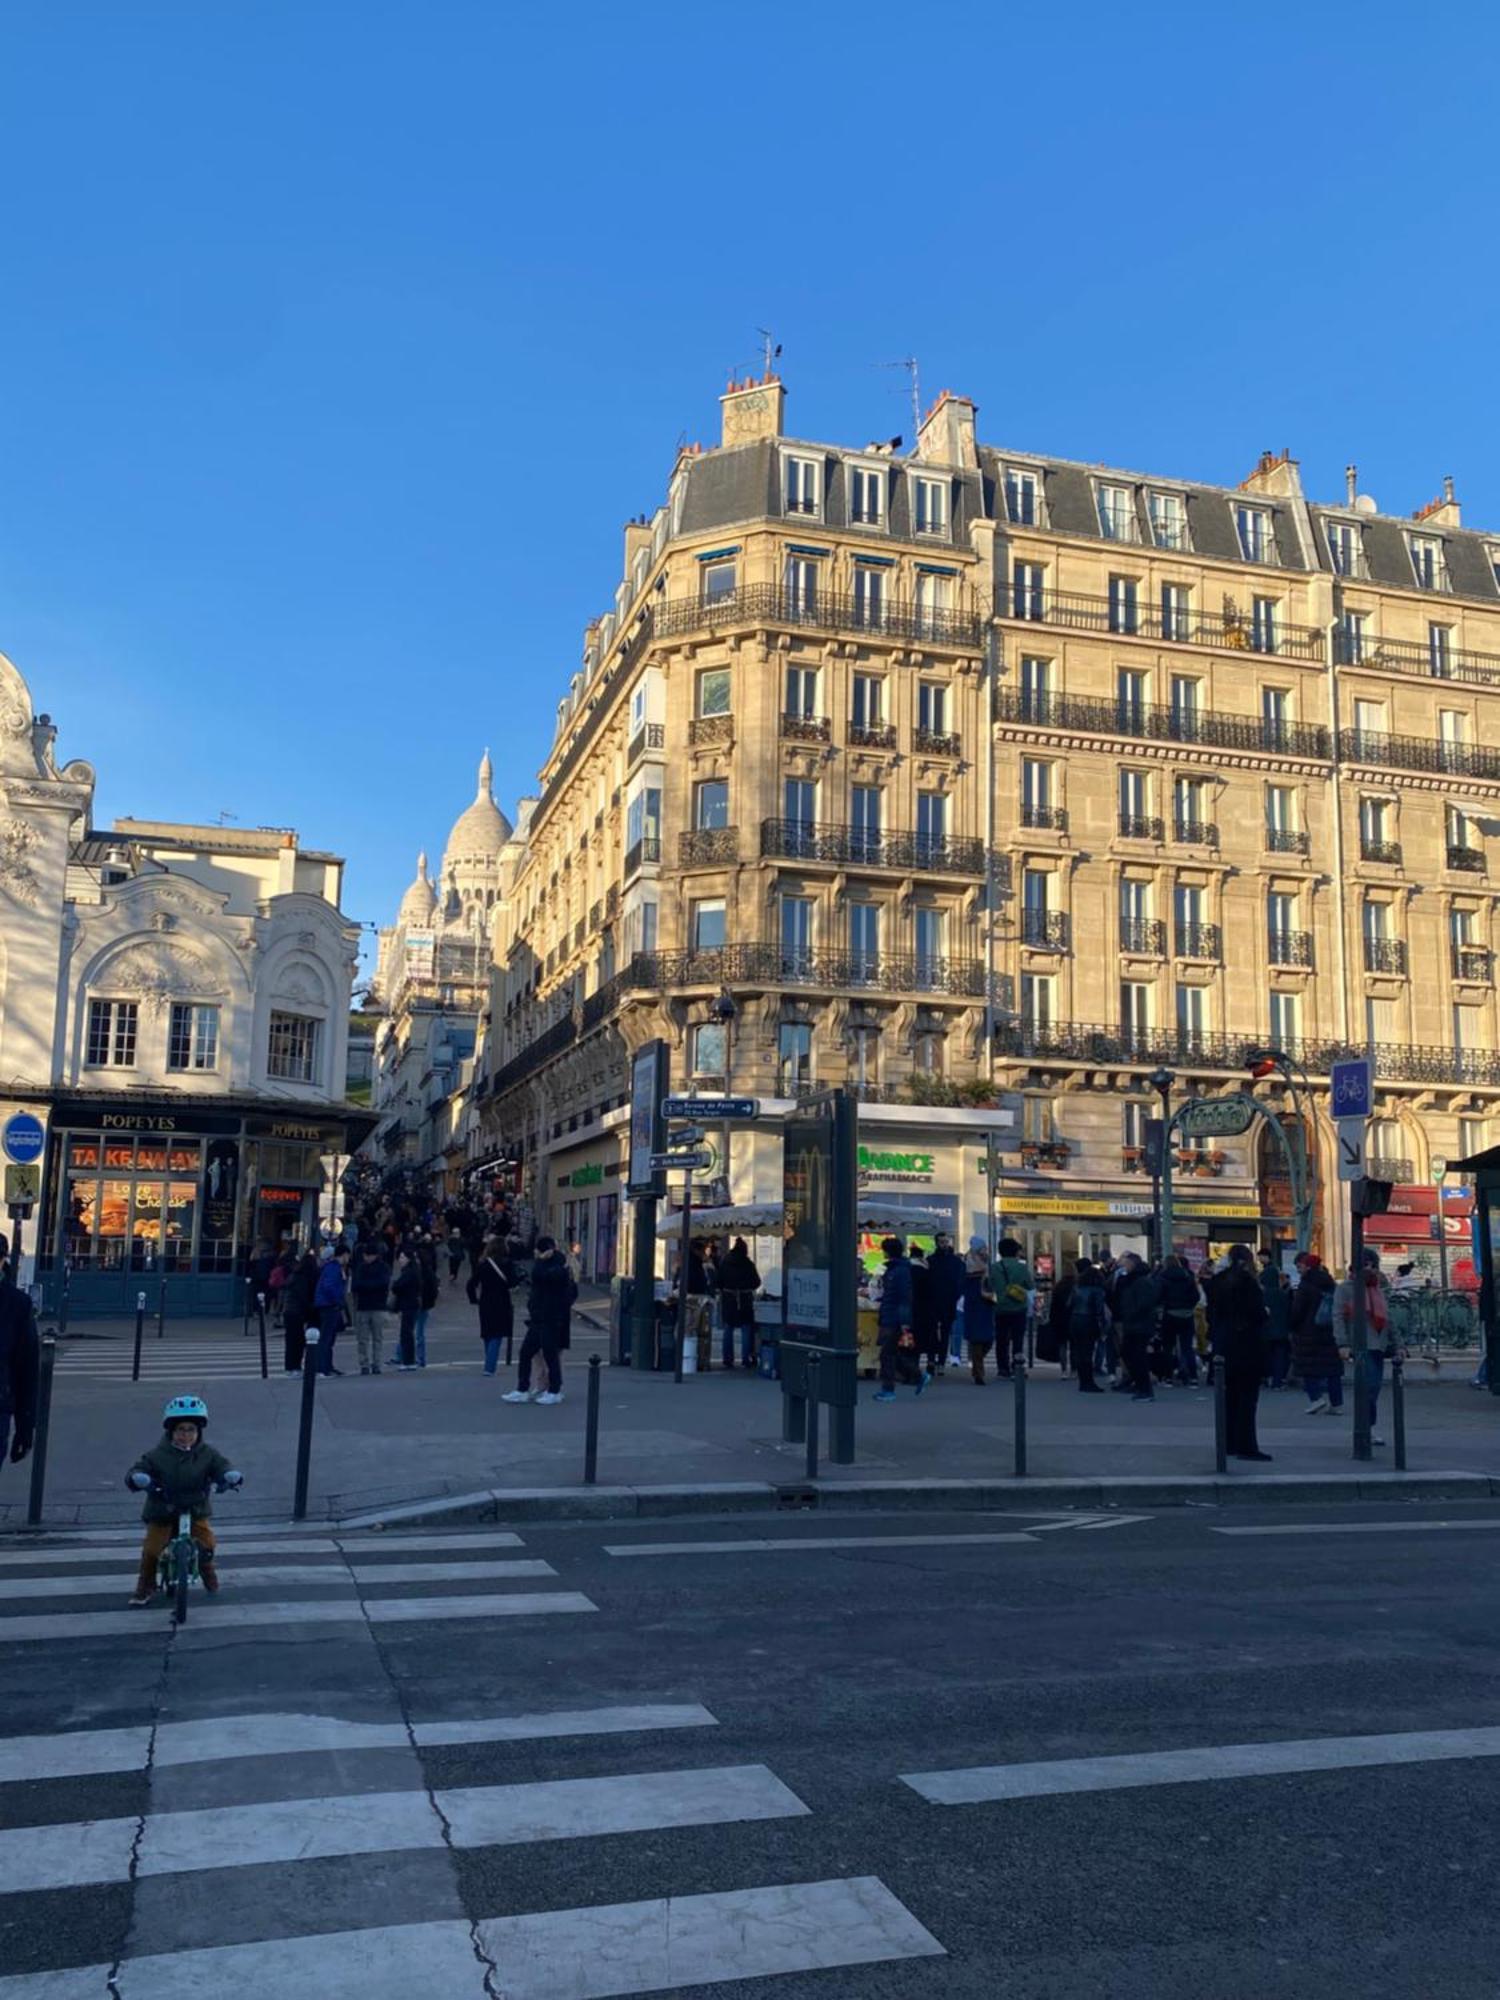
1350 1084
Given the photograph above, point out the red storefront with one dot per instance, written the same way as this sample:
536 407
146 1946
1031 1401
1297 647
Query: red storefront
1408 1232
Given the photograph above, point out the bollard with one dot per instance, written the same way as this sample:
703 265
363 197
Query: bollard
814 1369
245 1329
1398 1410
265 1361
1018 1376
1221 1413
591 1426
140 1328
43 1424
62 1304
305 1424
161 1309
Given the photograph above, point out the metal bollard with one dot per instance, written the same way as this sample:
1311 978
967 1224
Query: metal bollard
591 1426
814 1369
265 1361
1018 1377
245 1329
161 1309
305 1424
62 1304
1221 1413
1398 1410
43 1425
140 1328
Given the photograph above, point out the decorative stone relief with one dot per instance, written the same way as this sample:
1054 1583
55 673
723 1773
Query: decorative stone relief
159 973
17 845
296 983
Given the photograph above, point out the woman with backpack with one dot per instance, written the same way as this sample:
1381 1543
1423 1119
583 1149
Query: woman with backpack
1013 1288
1315 1347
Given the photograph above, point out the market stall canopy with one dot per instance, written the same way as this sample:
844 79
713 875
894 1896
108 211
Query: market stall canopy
764 1218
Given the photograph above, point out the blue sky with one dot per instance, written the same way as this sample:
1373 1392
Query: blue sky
339 341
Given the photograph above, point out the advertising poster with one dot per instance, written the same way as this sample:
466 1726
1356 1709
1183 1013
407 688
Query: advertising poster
221 1179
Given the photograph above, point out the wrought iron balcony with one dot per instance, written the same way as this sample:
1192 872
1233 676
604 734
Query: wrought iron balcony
1227 630
860 847
1045 930
1466 860
1380 850
1473 961
1096 1044
872 735
1195 833
1287 840
1143 934
708 846
650 736
806 728
1291 947
1139 826
642 852
1200 941
1151 722
706 730
769 966
1418 753
768 603
935 743
1385 954
1412 656
1045 816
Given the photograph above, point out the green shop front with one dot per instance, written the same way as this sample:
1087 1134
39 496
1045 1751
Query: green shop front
138 1195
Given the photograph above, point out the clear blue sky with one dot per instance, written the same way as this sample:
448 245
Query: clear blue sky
338 341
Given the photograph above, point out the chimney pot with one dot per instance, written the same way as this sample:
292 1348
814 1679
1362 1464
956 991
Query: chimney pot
1448 486
1351 482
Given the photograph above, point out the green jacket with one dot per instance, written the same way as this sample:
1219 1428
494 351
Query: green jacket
185 1476
1011 1272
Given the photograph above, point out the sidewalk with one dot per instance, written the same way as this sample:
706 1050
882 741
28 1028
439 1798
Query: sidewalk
711 1442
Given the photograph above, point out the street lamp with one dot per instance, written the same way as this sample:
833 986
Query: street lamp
1161 1081
723 1010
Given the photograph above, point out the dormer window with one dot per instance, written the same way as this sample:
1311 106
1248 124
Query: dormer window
1253 526
1023 497
866 496
804 486
1116 514
930 506
1345 548
1493 552
1427 563
1168 520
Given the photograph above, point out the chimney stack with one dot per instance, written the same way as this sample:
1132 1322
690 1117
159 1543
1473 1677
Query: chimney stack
1276 475
753 410
947 433
1351 483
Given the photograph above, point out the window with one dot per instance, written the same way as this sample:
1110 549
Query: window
1190 808
1038 1001
1023 497
801 698
1192 1016
866 496
638 708
1376 918
1131 689
1036 891
1345 551
193 1037
1028 585
1440 651
1453 739
1133 1116
934 602
866 1039
711 803
800 805
713 691
112 1033
930 937
1281 810
643 816
1036 791
796 932
869 595
794 1058
1135 797
865 804
1460 928
1428 566
709 1051
707 923
932 825
1116 514
718 581
868 711
927 1051
1168 520
803 486
1135 905
1383 1140
1353 637
1473 1137
801 587
1286 1020
1176 621
1124 604
1264 625
1253 526
292 1051
1275 716
1376 829
1369 725
1463 850
646 917
1187 696
932 707
1135 1009
864 941
930 506
1281 921
1036 689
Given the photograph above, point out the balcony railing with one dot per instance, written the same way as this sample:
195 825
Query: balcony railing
1200 941
650 736
1039 1153
1195 833
806 728
755 603
1385 954
935 743
773 965
1139 826
1380 850
1228 630
859 847
706 730
1098 1044
1411 656
1045 816
1418 753
1286 840
1143 934
1291 947
1152 722
1473 961
1466 860
1045 930
641 852
704 846
872 735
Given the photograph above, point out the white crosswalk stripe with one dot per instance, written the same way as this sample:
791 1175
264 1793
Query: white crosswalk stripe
282 1574
23 1630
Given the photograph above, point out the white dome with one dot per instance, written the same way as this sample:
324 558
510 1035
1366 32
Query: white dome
419 904
481 829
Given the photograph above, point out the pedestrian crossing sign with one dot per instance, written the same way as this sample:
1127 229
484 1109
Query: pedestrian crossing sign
23 1186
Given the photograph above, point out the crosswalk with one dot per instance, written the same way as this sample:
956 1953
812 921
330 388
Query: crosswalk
155 1801
171 1362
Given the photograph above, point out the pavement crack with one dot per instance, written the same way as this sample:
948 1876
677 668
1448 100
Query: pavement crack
112 1977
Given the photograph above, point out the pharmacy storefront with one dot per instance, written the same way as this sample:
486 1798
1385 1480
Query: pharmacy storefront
586 1186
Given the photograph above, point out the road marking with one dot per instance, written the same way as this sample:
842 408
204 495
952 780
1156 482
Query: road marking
37 1551
175 1843
605 1952
378 1543
449 1572
1357 1527
762 1545
34 1558
305 1611
986 1782
281 1574
216 1739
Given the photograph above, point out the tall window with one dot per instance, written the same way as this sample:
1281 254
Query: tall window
1275 716
864 941
1135 801
1353 637
927 1051
866 496
193 1037
794 1058
930 934
868 705
1038 1001
1036 689
1168 520
1135 913
1376 921
932 707
112 1033
1131 689
796 934
1135 1011
709 1049
865 804
803 487
643 817
713 687
1281 922
932 824
930 506
801 697
708 923
292 1051
800 805
934 602
1187 706
1440 651
1459 842
1036 904
1192 1017
1176 617
1286 1020
869 595
1369 725
1427 562
1116 514
718 581
1453 739
1253 526
1473 1133
1265 627
1343 547
1036 791
1022 497
801 587
1190 808
1028 588
1124 604
1133 1116
711 803
1281 814
643 921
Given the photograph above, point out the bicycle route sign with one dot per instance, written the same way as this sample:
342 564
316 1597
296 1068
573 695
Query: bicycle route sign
1350 1085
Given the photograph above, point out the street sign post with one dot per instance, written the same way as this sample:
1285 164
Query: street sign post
1351 1145
1350 1086
714 1109
680 1163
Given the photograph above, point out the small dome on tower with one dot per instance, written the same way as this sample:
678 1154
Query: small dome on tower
481 829
419 904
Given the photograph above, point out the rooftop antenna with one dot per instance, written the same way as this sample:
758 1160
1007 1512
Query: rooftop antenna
225 816
770 347
909 363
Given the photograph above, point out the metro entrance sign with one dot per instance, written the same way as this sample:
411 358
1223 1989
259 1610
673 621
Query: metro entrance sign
711 1108
1215 1117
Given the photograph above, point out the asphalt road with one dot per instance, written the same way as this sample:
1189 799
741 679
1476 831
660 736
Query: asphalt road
738 1726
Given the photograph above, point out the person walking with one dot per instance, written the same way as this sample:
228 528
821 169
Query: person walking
490 1289
1378 1336
548 1307
370 1283
406 1295
1136 1301
1278 1297
455 1251
301 1287
923 1353
1180 1300
427 1265
739 1281
329 1305
1014 1286
1087 1319
1315 1346
946 1269
894 1317
979 1308
1237 1327
20 1364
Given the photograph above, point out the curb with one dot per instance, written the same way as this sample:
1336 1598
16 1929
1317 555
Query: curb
617 1503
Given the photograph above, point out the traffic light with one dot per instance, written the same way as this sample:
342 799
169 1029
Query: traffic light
1367 1197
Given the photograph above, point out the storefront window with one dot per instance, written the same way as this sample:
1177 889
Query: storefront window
607 1216
114 1224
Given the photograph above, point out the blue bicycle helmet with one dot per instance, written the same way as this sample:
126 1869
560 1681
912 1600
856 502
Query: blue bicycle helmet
191 1407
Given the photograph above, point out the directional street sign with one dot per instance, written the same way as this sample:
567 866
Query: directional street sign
1351 1149
689 1135
711 1108
680 1163
1215 1118
1350 1086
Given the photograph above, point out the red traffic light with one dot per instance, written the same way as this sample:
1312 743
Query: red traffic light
1264 1068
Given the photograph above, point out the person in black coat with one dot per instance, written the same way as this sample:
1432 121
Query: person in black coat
20 1359
1236 1327
548 1309
298 1294
406 1294
946 1269
490 1288
739 1281
924 1314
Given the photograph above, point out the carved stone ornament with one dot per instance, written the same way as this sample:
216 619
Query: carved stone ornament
298 984
159 973
17 875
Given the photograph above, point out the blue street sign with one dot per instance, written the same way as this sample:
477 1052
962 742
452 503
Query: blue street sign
23 1138
711 1108
1350 1084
